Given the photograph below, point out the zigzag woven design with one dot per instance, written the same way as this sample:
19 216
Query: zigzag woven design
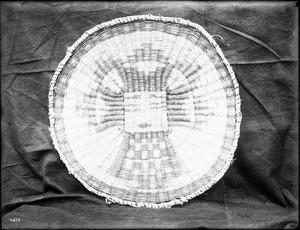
145 111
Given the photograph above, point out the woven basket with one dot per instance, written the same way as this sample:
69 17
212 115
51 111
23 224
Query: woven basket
145 111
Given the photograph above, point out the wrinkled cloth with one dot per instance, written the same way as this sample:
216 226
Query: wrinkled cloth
259 190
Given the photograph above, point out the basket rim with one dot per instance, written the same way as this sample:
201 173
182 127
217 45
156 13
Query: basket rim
122 20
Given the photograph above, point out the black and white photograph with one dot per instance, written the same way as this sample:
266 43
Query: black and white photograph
149 114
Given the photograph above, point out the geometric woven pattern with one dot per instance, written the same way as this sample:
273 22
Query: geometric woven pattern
145 111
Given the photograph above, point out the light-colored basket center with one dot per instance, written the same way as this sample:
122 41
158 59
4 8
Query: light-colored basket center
145 112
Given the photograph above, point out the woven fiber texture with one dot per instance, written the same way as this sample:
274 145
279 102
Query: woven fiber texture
145 111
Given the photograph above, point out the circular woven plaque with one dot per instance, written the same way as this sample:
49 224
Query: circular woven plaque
145 111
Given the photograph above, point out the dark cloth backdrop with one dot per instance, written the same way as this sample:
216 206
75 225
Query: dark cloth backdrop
260 189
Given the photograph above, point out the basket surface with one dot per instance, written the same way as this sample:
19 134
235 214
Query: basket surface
145 111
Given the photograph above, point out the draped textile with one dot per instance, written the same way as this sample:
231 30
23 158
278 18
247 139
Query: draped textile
260 189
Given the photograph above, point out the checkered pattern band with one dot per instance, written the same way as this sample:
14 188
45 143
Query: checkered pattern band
145 111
